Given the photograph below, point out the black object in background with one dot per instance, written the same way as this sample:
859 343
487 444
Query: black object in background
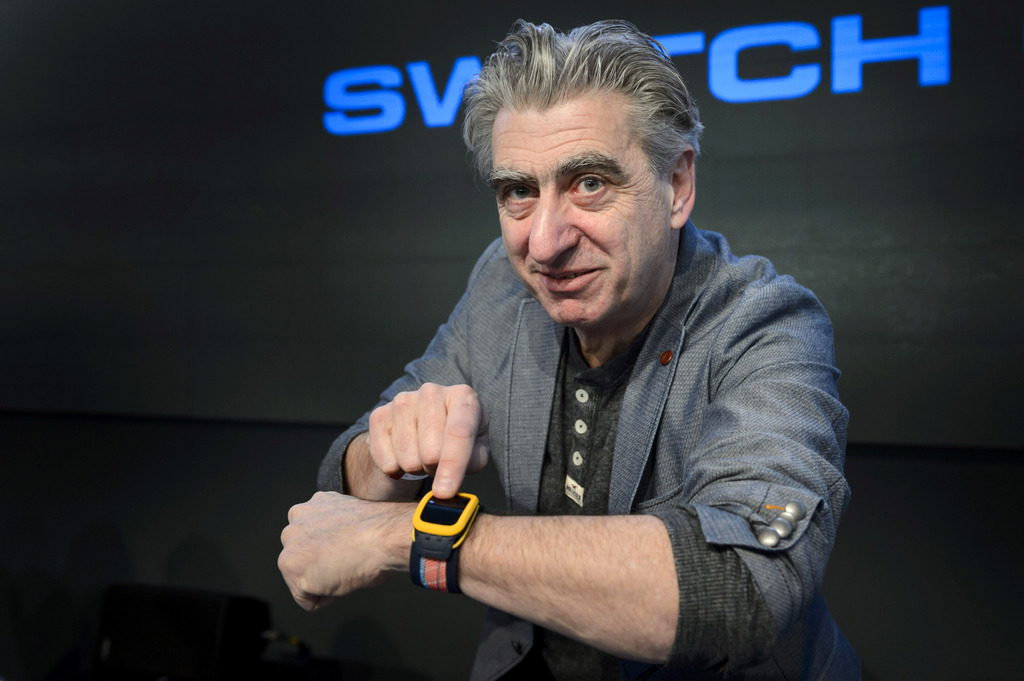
149 632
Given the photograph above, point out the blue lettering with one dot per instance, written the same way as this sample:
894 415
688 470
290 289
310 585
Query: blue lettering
723 61
389 103
367 99
439 111
930 47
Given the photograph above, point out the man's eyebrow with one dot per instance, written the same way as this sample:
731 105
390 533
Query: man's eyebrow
503 176
592 163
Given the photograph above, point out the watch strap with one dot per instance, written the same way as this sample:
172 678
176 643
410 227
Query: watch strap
434 559
434 573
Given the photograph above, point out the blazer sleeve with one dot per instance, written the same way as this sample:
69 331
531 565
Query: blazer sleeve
773 431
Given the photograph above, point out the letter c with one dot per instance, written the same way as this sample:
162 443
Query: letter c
723 58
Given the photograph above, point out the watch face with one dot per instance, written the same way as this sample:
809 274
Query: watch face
444 511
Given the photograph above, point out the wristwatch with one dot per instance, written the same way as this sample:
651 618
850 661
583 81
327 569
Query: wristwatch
439 527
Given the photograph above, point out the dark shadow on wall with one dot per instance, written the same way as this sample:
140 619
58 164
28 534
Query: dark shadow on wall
924 580
200 563
52 616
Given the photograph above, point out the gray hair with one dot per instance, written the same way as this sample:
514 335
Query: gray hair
536 68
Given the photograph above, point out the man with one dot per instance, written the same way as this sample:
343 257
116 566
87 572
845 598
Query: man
662 414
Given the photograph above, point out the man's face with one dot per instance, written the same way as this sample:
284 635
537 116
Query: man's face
587 226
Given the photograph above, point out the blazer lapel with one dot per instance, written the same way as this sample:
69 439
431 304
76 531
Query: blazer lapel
641 411
535 354
651 381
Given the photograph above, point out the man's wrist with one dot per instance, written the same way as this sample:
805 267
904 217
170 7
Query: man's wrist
393 537
362 478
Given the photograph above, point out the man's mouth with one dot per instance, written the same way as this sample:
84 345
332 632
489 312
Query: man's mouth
566 282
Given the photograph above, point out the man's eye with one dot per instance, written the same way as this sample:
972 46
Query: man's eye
590 184
518 193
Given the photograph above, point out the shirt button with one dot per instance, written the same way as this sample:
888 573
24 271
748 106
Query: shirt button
581 427
577 459
666 357
582 396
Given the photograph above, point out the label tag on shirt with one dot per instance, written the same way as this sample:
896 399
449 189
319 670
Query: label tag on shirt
574 491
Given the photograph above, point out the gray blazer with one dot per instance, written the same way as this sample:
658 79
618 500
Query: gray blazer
744 414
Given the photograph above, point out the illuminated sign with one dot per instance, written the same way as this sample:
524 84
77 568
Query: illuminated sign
366 99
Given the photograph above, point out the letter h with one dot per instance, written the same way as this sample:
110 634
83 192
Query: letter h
930 47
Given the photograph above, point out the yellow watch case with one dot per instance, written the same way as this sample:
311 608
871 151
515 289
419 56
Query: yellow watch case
445 517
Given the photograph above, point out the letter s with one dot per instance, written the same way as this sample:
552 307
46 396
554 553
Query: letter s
389 103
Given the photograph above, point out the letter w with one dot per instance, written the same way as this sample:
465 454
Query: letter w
440 111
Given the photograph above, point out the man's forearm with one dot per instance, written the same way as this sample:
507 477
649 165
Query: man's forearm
608 581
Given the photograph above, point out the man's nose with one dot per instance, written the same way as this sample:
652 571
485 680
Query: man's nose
552 232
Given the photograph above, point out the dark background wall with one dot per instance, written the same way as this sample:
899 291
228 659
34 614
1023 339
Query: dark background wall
199 285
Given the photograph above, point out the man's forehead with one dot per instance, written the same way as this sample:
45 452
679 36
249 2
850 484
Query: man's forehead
585 133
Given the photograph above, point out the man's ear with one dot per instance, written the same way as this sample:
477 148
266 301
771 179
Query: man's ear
684 188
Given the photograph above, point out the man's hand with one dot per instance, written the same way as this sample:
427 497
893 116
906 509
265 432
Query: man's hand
335 544
438 430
